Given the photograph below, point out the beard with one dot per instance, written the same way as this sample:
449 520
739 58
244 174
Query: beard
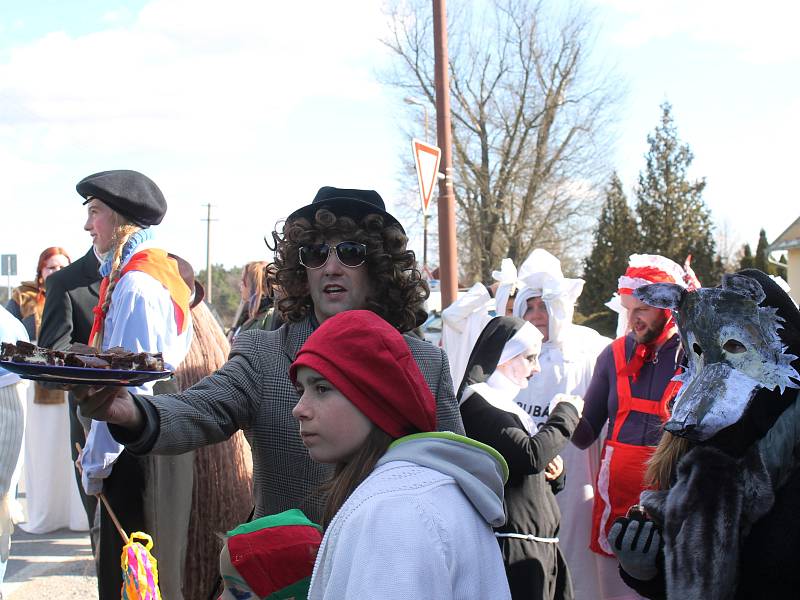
652 332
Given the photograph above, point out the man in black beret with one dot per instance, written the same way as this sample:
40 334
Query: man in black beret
143 305
133 195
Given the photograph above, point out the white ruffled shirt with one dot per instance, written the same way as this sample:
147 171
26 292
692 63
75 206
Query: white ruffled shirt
141 318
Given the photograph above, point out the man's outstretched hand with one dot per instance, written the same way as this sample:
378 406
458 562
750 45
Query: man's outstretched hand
113 404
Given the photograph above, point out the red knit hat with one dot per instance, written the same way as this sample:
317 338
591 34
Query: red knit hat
369 362
644 269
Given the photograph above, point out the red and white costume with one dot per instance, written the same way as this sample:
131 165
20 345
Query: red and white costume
630 390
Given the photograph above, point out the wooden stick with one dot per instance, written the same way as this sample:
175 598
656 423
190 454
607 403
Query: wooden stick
103 498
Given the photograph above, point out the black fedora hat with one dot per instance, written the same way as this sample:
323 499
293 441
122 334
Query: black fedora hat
352 203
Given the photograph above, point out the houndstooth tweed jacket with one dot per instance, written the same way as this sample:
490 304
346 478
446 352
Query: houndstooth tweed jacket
253 392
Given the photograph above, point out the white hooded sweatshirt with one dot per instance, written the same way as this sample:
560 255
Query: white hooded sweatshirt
420 526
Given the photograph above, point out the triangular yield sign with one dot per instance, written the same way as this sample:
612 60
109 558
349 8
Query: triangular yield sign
426 158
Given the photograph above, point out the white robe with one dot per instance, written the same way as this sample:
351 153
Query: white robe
52 500
462 323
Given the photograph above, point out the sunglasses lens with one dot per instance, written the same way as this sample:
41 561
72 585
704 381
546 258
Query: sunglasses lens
351 254
315 256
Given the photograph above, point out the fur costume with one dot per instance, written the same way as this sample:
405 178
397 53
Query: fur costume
221 495
728 497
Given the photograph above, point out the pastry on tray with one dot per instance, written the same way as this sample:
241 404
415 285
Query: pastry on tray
82 355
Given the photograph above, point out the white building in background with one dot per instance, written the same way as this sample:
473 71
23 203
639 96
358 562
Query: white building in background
789 242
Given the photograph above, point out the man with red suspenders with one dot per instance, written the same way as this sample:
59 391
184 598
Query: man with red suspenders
631 389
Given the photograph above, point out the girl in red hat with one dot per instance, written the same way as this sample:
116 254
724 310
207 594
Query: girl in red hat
409 510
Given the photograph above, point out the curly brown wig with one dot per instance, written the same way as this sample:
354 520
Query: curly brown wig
398 290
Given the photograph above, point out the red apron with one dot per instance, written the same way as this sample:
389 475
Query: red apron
622 468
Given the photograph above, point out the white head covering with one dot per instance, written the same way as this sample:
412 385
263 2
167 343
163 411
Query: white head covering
526 338
462 323
509 283
500 391
542 276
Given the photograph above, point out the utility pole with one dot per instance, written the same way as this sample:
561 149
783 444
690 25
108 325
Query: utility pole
448 271
208 220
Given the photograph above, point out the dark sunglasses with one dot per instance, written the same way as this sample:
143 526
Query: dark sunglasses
350 254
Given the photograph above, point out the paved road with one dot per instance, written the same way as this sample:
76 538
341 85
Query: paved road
52 566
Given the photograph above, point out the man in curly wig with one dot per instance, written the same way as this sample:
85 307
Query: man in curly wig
341 252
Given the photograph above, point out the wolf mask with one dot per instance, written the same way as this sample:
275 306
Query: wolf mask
733 350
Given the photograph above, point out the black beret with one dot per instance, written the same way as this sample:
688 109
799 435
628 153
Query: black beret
352 203
131 194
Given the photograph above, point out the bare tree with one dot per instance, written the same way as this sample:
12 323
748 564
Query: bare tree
529 120
730 247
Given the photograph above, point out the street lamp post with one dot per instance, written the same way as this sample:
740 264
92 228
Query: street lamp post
409 100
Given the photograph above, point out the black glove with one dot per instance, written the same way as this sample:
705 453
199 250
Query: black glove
636 544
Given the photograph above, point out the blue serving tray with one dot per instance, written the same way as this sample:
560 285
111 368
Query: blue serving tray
82 375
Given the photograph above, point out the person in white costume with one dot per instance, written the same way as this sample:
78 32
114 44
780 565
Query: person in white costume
465 318
52 500
462 323
506 286
547 300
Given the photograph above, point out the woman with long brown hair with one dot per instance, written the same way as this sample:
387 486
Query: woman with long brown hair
257 307
27 300
48 470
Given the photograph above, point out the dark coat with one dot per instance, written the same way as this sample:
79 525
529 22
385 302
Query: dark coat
535 569
714 488
72 293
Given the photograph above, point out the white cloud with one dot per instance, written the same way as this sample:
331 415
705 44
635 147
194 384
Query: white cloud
245 104
761 33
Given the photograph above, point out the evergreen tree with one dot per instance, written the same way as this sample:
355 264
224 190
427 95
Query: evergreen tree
226 294
615 239
761 260
783 267
747 261
673 217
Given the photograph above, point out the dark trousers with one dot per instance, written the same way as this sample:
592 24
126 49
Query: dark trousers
152 494
77 435
123 489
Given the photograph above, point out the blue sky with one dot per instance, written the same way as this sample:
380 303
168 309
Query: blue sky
252 106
